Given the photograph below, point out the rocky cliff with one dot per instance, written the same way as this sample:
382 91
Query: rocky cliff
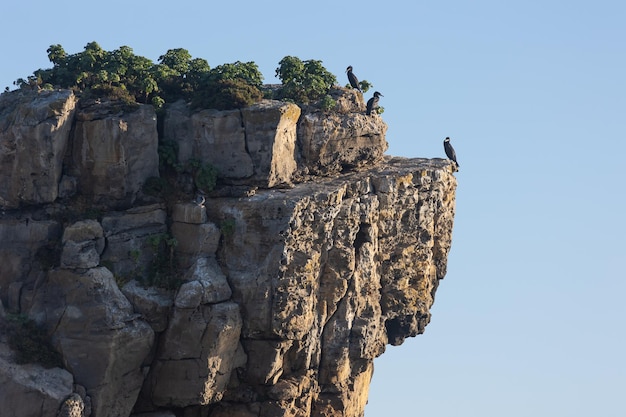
269 296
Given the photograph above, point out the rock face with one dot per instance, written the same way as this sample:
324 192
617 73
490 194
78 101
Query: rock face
332 143
277 291
34 133
256 144
114 153
327 274
102 341
31 390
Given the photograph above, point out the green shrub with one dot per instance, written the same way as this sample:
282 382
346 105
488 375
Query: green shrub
227 227
365 85
205 178
163 271
112 92
29 342
248 72
226 95
156 187
327 103
303 81
168 156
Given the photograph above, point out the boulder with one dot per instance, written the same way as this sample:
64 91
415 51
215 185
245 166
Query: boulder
83 242
209 275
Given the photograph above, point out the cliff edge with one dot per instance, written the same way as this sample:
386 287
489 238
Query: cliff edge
269 295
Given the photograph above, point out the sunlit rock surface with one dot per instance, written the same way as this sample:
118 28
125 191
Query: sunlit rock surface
314 252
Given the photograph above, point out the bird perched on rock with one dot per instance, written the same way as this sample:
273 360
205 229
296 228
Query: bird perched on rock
372 103
450 151
199 200
354 82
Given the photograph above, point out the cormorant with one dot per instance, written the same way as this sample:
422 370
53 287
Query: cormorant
372 103
354 82
450 151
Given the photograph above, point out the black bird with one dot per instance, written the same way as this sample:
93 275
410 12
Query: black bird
372 103
354 82
450 151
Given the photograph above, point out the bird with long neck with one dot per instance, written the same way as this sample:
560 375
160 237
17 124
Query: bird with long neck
372 103
354 82
450 153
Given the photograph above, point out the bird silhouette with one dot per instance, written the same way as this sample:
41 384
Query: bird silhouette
372 103
450 151
354 82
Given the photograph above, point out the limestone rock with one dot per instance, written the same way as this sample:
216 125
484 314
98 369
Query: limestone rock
270 128
25 245
314 253
197 355
83 230
212 136
129 251
102 341
209 287
73 406
31 390
189 213
114 153
79 255
83 242
330 143
34 131
68 186
214 285
195 240
344 266
256 143
348 100
152 303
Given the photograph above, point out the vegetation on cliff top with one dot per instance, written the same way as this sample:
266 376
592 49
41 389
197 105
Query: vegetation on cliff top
122 75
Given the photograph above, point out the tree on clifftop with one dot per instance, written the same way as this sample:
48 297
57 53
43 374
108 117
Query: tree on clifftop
229 86
303 81
122 75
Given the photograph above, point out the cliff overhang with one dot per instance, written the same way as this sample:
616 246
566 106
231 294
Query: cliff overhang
315 251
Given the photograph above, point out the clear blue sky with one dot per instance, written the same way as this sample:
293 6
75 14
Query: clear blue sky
530 319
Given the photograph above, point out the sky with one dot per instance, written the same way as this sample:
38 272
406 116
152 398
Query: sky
531 318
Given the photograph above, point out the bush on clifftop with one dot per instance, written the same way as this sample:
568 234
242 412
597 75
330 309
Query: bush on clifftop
123 76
